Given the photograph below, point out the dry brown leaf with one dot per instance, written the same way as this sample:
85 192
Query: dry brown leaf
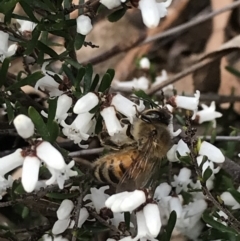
126 66
207 79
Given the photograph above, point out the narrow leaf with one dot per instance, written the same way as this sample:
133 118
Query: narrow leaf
217 225
44 48
207 174
39 123
10 111
170 226
33 42
105 83
88 78
79 41
4 70
51 111
95 82
53 130
62 196
235 194
29 80
117 15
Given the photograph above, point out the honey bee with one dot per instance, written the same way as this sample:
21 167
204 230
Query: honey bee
132 167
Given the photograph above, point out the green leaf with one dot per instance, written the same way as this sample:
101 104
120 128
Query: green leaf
51 111
88 78
95 82
4 71
62 196
117 15
29 11
10 111
217 225
7 6
111 72
127 219
25 212
167 233
79 41
33 42
44 48
29 80
142 95
68 73
80 74
214 234
235 194
73 63
105 83
53 131
233 71
207 174
39 123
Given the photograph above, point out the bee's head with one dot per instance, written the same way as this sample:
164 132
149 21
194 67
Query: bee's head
156 116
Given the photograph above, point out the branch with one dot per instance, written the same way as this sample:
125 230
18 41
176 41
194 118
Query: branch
234 223
142 40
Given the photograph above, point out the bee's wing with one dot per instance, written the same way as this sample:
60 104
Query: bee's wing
139 173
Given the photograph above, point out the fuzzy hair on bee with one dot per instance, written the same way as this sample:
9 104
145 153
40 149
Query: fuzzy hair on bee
132 167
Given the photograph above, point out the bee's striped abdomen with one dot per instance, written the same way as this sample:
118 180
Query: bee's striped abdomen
110 168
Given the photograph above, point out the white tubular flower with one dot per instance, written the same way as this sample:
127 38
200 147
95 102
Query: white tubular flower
162 7
65 209
208 114
162 191
152 217
182 180
141 83
50 155
64 103
188 103
24 126
47 83
206 165
86 103
111 121
47 237
143 233
189 222
160 79
63 214
170 128
6 51
30 172
98 198
181 148
60 226
176 205
110 4
83 216
126 201
81 128
126 107
229 200
60 176
212 152
11 161
144 63
25 25
150 13
84 25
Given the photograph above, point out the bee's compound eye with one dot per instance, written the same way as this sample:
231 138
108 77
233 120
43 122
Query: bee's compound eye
156 116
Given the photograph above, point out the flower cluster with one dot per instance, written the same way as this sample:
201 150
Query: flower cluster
31 159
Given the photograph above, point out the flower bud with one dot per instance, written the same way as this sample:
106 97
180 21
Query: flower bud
30 172
50 155
84 25
10 162
65 209
86 103
24 126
